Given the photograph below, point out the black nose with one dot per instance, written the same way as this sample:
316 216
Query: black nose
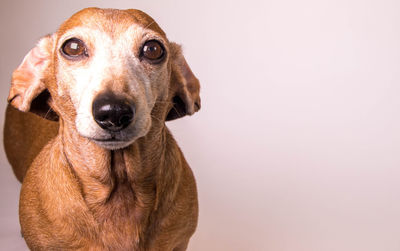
112 113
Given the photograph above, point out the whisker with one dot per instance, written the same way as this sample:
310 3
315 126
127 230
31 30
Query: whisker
147 26
159 120
47 113
163 102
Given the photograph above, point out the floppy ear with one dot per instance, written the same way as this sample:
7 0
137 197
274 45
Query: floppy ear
184 85
28 91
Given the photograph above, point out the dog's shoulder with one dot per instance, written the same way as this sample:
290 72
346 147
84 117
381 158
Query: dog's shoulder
51 193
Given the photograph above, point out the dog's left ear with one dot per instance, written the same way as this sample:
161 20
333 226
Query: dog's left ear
184 85
28 91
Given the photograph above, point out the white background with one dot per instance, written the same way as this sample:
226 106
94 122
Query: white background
297 145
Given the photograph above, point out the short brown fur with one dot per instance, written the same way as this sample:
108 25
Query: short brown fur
79 196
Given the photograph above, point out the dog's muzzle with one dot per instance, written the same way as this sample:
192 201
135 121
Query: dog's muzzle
112 113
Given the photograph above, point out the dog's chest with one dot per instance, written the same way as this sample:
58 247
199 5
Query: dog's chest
121 220
120 205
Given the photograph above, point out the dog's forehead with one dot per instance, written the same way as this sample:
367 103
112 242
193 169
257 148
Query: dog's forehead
112 21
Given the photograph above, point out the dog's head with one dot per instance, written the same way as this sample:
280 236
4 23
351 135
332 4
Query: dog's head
110 74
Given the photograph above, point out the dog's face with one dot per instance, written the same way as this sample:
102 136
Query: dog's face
107 70
114 68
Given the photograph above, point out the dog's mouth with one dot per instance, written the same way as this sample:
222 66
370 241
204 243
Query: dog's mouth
111 139
111 143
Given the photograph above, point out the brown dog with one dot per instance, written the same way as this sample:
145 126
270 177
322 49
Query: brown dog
108 175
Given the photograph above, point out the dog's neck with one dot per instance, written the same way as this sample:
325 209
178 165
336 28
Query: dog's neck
114 182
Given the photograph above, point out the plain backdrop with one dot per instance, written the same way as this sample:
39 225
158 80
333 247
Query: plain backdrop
297 144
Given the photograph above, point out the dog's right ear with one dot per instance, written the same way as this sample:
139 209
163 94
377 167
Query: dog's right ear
184 85
28 92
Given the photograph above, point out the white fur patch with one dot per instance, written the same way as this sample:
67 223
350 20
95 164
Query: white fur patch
111 59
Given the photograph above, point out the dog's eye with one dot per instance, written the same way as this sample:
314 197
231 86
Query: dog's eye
153 51
74 48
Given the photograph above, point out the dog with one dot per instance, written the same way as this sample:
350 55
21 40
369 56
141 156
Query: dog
99 168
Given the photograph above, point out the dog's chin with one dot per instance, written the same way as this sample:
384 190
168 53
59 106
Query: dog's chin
111 141
114 140
112 144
